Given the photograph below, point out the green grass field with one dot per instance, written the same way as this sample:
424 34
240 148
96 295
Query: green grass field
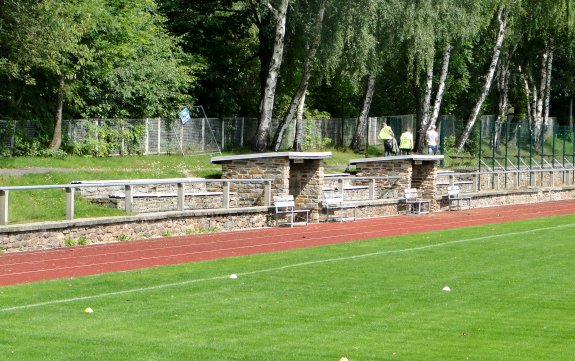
511 299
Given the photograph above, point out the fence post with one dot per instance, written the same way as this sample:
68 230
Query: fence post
128 198
223 133
226 195
180 196
340 186
3 207
69 203
147 138
267 193
372 189
203 140
159 135
242 133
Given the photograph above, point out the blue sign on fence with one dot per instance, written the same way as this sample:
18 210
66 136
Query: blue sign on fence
185 115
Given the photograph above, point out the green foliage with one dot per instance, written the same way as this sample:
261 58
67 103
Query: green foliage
192 231
115 57
123 238
107 138
26 146
83 241
166 233
313 138
316 114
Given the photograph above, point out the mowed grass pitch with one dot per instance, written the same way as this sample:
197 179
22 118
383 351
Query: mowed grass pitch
512 298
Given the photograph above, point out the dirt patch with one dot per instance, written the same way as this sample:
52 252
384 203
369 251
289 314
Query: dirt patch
35 170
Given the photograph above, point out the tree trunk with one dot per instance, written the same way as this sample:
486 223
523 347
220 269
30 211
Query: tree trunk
571 113
475 112
418 116
304 81
358 140
57 136
541 96
548 86
268 95
527 95
441 85
538 113
298 139
425 116
503 87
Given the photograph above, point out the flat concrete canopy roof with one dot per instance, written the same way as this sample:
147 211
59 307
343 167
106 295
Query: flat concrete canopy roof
418 157
289 155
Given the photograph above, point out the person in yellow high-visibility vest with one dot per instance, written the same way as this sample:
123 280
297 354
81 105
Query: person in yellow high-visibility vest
406 142
386 135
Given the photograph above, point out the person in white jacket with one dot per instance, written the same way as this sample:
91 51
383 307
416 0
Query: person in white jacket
432 140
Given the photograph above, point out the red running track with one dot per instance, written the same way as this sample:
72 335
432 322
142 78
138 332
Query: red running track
33 266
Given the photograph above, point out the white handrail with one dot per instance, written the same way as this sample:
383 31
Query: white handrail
128 186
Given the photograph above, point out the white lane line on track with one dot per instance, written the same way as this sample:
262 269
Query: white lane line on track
253 234
350 232
281 268
415 224
365 234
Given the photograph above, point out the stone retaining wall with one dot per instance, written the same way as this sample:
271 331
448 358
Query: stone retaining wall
48 235
107 230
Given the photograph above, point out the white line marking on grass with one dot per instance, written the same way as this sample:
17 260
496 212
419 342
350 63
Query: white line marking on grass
281 268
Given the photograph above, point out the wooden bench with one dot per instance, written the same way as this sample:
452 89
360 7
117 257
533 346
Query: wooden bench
456 201
287 214
332 203
414 204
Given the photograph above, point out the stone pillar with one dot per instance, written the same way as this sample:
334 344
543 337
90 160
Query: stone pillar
306 184
424 179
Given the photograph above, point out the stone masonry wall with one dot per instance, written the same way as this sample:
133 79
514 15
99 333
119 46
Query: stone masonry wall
398 167
276 169
107 230
121 229
306 184
423 179
166 203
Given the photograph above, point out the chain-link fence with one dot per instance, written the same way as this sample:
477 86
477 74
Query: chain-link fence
513 145
508 145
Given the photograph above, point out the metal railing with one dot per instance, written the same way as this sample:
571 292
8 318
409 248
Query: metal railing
128 191
512 179
371 183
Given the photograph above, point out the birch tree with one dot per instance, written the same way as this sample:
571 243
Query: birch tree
373 33
298 97
268 95
358 140
543 23
502 21
434 25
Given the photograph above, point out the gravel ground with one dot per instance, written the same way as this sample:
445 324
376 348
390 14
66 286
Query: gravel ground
35 170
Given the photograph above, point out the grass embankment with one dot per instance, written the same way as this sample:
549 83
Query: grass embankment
511 299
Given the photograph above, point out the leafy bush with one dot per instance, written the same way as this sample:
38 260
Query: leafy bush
104 139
